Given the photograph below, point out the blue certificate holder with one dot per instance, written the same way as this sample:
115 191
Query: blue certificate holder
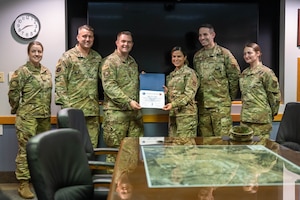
151 90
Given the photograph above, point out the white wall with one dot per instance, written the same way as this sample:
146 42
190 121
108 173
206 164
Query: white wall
13 52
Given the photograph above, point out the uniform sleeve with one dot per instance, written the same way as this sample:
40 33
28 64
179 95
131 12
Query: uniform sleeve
111 86
233 73
61 82
190 90
271 85
14 92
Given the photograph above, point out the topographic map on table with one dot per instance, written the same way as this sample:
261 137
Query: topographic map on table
215 166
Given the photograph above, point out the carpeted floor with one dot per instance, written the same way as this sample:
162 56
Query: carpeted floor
9 186
11 191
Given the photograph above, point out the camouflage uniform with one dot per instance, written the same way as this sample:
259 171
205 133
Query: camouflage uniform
30 99
260 99
182 87
218 73
76 86
120 80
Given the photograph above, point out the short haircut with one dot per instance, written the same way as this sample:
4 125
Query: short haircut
209 26
86 27
125 33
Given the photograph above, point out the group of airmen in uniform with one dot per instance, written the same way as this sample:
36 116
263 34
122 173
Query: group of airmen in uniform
199 98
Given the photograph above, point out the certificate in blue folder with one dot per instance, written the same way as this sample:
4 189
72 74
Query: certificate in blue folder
151 90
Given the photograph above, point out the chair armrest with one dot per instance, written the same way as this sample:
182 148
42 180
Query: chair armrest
103 151
102 181
104 177
100 165
101 188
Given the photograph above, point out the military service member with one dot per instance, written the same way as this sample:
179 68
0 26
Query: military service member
120 79
218 73
182 85
76 80
30 99
260 93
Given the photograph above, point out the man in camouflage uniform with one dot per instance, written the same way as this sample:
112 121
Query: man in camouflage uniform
182 85
120 80
218 73
260 93
76 80
30 99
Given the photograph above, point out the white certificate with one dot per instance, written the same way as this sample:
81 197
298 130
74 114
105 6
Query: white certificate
152 99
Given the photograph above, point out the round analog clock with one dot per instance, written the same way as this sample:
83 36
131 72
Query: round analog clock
27 26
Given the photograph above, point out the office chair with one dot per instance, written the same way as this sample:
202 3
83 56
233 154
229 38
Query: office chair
74 118
289 128
59 167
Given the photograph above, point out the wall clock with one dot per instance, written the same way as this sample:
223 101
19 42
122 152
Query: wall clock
27 26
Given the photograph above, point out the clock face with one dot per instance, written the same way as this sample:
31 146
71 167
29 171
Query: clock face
27 26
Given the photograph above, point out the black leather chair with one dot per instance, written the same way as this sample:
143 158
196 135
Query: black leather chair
289 128
74 118
59 167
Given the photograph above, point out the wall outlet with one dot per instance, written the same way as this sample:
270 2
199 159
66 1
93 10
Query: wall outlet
1 129
1 77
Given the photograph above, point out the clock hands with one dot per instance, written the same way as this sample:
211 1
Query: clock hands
25 27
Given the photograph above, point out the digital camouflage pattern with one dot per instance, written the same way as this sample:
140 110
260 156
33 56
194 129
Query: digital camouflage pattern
218 73
183 126
182 86
260 95
120 81
26 128
76 86
261 130
30 91
76 81
215 121
121 124
93 126
30 98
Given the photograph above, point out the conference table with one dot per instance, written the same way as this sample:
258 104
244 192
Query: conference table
208 168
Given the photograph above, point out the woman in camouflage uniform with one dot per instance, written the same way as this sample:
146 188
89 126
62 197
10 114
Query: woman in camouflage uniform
260 93
30 99
182 85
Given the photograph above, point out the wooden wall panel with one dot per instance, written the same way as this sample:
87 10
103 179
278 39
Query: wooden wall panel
147 119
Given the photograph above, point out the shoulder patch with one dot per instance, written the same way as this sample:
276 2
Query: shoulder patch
14 83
